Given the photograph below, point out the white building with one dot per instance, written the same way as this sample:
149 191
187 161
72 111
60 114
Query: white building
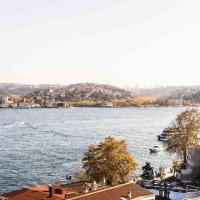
50 104
6 100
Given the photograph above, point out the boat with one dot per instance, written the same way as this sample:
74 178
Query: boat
164 136
23 106
108 105
156 149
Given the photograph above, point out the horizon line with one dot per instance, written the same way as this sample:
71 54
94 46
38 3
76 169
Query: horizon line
136 86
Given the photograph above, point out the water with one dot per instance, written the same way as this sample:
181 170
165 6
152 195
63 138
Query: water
39 145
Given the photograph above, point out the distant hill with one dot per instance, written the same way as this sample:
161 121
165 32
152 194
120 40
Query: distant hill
20 89
79 90
175 92
100 91
84 91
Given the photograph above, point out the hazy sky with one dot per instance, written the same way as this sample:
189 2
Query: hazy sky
146 42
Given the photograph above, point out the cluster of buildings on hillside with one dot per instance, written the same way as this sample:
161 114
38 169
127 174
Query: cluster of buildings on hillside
43 101
6 101
75 96
15 101
30 101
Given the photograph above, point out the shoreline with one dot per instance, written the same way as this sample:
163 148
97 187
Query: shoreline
148 106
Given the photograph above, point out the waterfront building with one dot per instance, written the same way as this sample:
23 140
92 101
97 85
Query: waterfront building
5 99
193 162
50 104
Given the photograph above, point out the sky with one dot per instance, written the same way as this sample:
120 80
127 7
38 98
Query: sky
123 43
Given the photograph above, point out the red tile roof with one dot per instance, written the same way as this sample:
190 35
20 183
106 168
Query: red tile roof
116 192
34 193
110 193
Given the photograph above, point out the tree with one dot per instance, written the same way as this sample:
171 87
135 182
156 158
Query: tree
109 160
185 132
148 173
175 166
161 172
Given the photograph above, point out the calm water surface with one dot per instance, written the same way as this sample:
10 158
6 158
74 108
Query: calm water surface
38 145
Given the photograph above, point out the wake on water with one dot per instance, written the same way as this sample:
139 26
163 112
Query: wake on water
23 124
18 124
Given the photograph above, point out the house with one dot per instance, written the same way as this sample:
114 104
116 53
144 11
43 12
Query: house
193 157
78 191
193 162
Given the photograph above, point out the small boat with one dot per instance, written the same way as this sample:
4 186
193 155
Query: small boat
163 137
108 105
156 149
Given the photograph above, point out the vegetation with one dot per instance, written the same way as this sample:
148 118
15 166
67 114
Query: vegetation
148 173
185 132
161 172
176 165
109 160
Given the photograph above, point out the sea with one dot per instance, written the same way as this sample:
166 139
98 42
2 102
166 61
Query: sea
38 146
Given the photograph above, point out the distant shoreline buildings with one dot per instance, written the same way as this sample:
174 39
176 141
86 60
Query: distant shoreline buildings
88 95
62 101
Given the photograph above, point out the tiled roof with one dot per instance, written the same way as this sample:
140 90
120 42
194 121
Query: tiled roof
116 192
110 193
35 193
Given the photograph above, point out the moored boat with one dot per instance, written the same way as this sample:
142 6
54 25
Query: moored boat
156 149
164 136
108 105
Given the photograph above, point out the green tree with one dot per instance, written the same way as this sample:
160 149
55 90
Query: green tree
109 160
148 173
185 132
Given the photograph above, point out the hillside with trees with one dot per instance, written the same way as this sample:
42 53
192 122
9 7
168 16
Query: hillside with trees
84 91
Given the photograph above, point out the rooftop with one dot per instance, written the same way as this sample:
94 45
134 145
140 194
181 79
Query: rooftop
73 192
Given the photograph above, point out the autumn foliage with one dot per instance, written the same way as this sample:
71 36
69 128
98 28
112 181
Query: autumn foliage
109 160
185 132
